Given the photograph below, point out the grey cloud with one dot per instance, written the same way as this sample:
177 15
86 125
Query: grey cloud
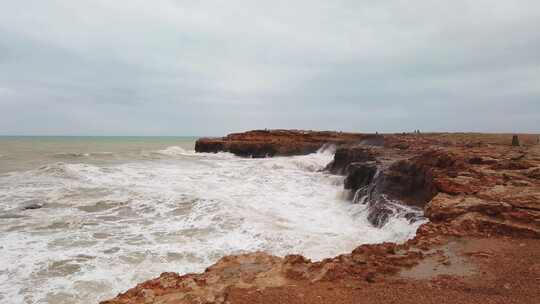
211 67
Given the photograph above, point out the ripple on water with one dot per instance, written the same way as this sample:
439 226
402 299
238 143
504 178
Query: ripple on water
70 242
59 269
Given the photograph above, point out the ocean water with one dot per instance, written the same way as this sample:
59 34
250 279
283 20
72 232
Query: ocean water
84 218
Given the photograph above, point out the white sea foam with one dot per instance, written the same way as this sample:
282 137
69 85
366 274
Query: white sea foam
172 151
103 229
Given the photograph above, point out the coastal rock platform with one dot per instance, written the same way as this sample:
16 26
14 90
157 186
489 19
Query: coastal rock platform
264 143
479 195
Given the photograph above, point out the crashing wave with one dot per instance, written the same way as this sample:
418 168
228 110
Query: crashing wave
70 171
172 151
186 212
327 149
169 151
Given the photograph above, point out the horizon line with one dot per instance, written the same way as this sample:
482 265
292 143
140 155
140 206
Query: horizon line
201 136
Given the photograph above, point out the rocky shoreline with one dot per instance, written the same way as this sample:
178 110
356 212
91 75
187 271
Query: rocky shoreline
267 143
481 243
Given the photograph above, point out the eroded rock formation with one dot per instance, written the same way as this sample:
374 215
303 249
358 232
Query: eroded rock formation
481 244
264 143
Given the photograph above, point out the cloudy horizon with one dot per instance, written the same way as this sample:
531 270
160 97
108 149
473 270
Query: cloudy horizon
214 67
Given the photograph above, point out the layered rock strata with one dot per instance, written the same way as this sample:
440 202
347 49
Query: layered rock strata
264 143
481 244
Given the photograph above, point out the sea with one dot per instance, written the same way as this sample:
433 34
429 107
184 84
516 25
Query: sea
85 218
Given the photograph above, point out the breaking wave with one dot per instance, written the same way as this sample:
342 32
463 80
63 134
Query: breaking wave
172 151
95 230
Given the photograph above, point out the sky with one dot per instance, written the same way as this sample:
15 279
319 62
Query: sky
171 67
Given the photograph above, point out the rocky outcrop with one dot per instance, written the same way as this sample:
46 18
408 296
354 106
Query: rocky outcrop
426 270
482 242
360 175
409 181
471 214
261 271
264 143
471 189
387 180
393 171
347 155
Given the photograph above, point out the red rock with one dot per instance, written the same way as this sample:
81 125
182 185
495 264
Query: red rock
263 143
474 187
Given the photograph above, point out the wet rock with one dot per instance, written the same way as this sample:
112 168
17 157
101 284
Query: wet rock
345 156
209 145
360 174
379 214
384 180
260 150
414 217
410 182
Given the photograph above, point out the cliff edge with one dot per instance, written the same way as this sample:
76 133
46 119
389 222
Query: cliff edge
479 195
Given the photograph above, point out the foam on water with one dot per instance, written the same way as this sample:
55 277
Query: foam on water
172 151
103 229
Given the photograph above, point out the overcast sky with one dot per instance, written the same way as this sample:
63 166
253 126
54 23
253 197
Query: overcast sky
171 67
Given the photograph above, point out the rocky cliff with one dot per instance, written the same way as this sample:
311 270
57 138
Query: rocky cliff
484 187
263 143
481 243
